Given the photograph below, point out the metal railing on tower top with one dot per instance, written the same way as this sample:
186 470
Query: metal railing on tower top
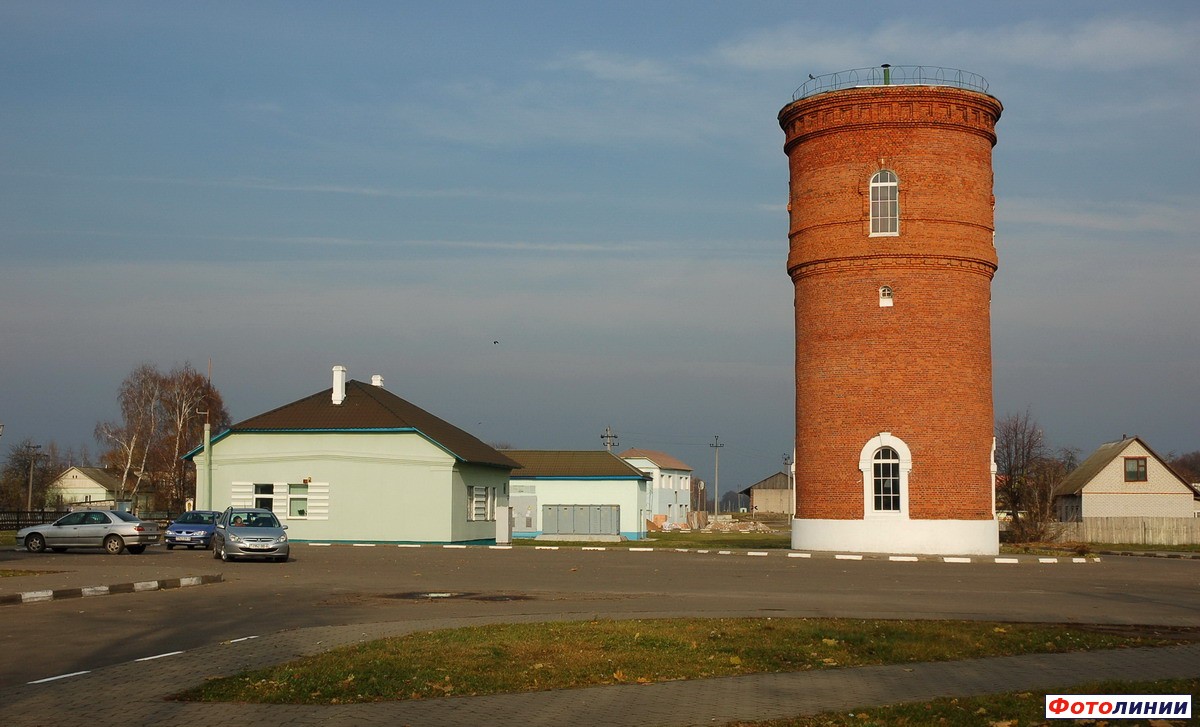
888 75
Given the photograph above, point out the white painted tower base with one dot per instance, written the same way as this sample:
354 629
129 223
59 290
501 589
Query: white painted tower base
925 537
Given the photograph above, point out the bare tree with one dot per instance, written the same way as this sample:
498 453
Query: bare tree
129 440
26 459
187 398
1186 465
1026 475
161 418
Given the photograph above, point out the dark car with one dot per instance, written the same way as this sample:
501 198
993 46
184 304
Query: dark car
192 529
112 530
250 532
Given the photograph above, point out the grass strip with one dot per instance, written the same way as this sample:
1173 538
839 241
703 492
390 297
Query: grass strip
510 658
1013 709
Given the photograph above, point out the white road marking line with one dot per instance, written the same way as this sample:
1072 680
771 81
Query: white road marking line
60 676
244 638
158 656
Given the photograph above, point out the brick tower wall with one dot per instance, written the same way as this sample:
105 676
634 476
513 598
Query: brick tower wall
921 368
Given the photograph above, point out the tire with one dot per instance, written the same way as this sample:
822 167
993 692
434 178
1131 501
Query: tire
216 551
224 554
170 546
35 543
113 545
59 549
136 549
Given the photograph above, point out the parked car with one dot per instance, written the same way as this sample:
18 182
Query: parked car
112 530
249 532
191 529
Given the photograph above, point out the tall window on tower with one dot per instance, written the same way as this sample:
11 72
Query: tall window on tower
887 480
885 204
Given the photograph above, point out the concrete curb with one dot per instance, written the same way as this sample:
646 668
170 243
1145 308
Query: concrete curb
89 591
1002 559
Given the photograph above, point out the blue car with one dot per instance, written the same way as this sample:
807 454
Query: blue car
193 529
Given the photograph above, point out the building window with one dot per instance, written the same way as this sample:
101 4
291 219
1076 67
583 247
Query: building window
482 503
885 463
1135 469
887 480
264 496
297 501
885 297
885 204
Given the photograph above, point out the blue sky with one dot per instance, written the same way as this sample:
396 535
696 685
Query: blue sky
599 188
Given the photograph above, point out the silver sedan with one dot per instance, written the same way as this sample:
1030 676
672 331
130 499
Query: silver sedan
111 530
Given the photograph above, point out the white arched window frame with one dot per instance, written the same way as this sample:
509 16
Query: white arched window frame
885 204
866 464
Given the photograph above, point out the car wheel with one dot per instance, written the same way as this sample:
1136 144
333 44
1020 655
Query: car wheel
225 556
170 546
59 549
35 543
136 549
216 551
113 545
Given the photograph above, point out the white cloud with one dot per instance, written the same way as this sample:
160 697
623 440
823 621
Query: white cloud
614 67
1104 45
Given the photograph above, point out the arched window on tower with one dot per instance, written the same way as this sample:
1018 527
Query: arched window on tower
886 476
885 204
885 462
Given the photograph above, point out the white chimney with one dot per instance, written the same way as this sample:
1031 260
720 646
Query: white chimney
377 380
339 385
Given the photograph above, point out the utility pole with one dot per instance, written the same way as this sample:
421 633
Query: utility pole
787 469
716 445
609 438
33 455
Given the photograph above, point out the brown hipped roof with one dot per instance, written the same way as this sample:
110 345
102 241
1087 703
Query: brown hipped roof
662 459
369 408
558 463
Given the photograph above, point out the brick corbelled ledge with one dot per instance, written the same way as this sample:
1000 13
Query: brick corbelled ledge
832 265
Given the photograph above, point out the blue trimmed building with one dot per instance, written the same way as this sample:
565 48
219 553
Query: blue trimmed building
578 495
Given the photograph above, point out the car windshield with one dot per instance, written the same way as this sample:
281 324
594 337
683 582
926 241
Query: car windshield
125 516
197 518
253 520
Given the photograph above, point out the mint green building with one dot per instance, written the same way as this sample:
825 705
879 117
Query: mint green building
356 463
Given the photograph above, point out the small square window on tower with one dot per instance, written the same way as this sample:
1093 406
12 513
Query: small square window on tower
885 297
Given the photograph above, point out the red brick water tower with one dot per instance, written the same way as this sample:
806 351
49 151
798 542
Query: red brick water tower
892 258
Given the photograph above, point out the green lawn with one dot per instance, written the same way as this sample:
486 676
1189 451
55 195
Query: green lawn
531 657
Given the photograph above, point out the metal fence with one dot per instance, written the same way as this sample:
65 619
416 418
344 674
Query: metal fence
888 75
11 520
17 519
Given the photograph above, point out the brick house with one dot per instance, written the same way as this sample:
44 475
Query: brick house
1124 479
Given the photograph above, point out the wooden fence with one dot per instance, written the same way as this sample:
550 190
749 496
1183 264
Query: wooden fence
1133 530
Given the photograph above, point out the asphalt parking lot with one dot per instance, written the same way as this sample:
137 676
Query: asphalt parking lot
104 656
338 585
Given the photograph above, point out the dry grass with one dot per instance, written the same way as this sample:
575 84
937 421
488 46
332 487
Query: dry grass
531 657
1015 709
